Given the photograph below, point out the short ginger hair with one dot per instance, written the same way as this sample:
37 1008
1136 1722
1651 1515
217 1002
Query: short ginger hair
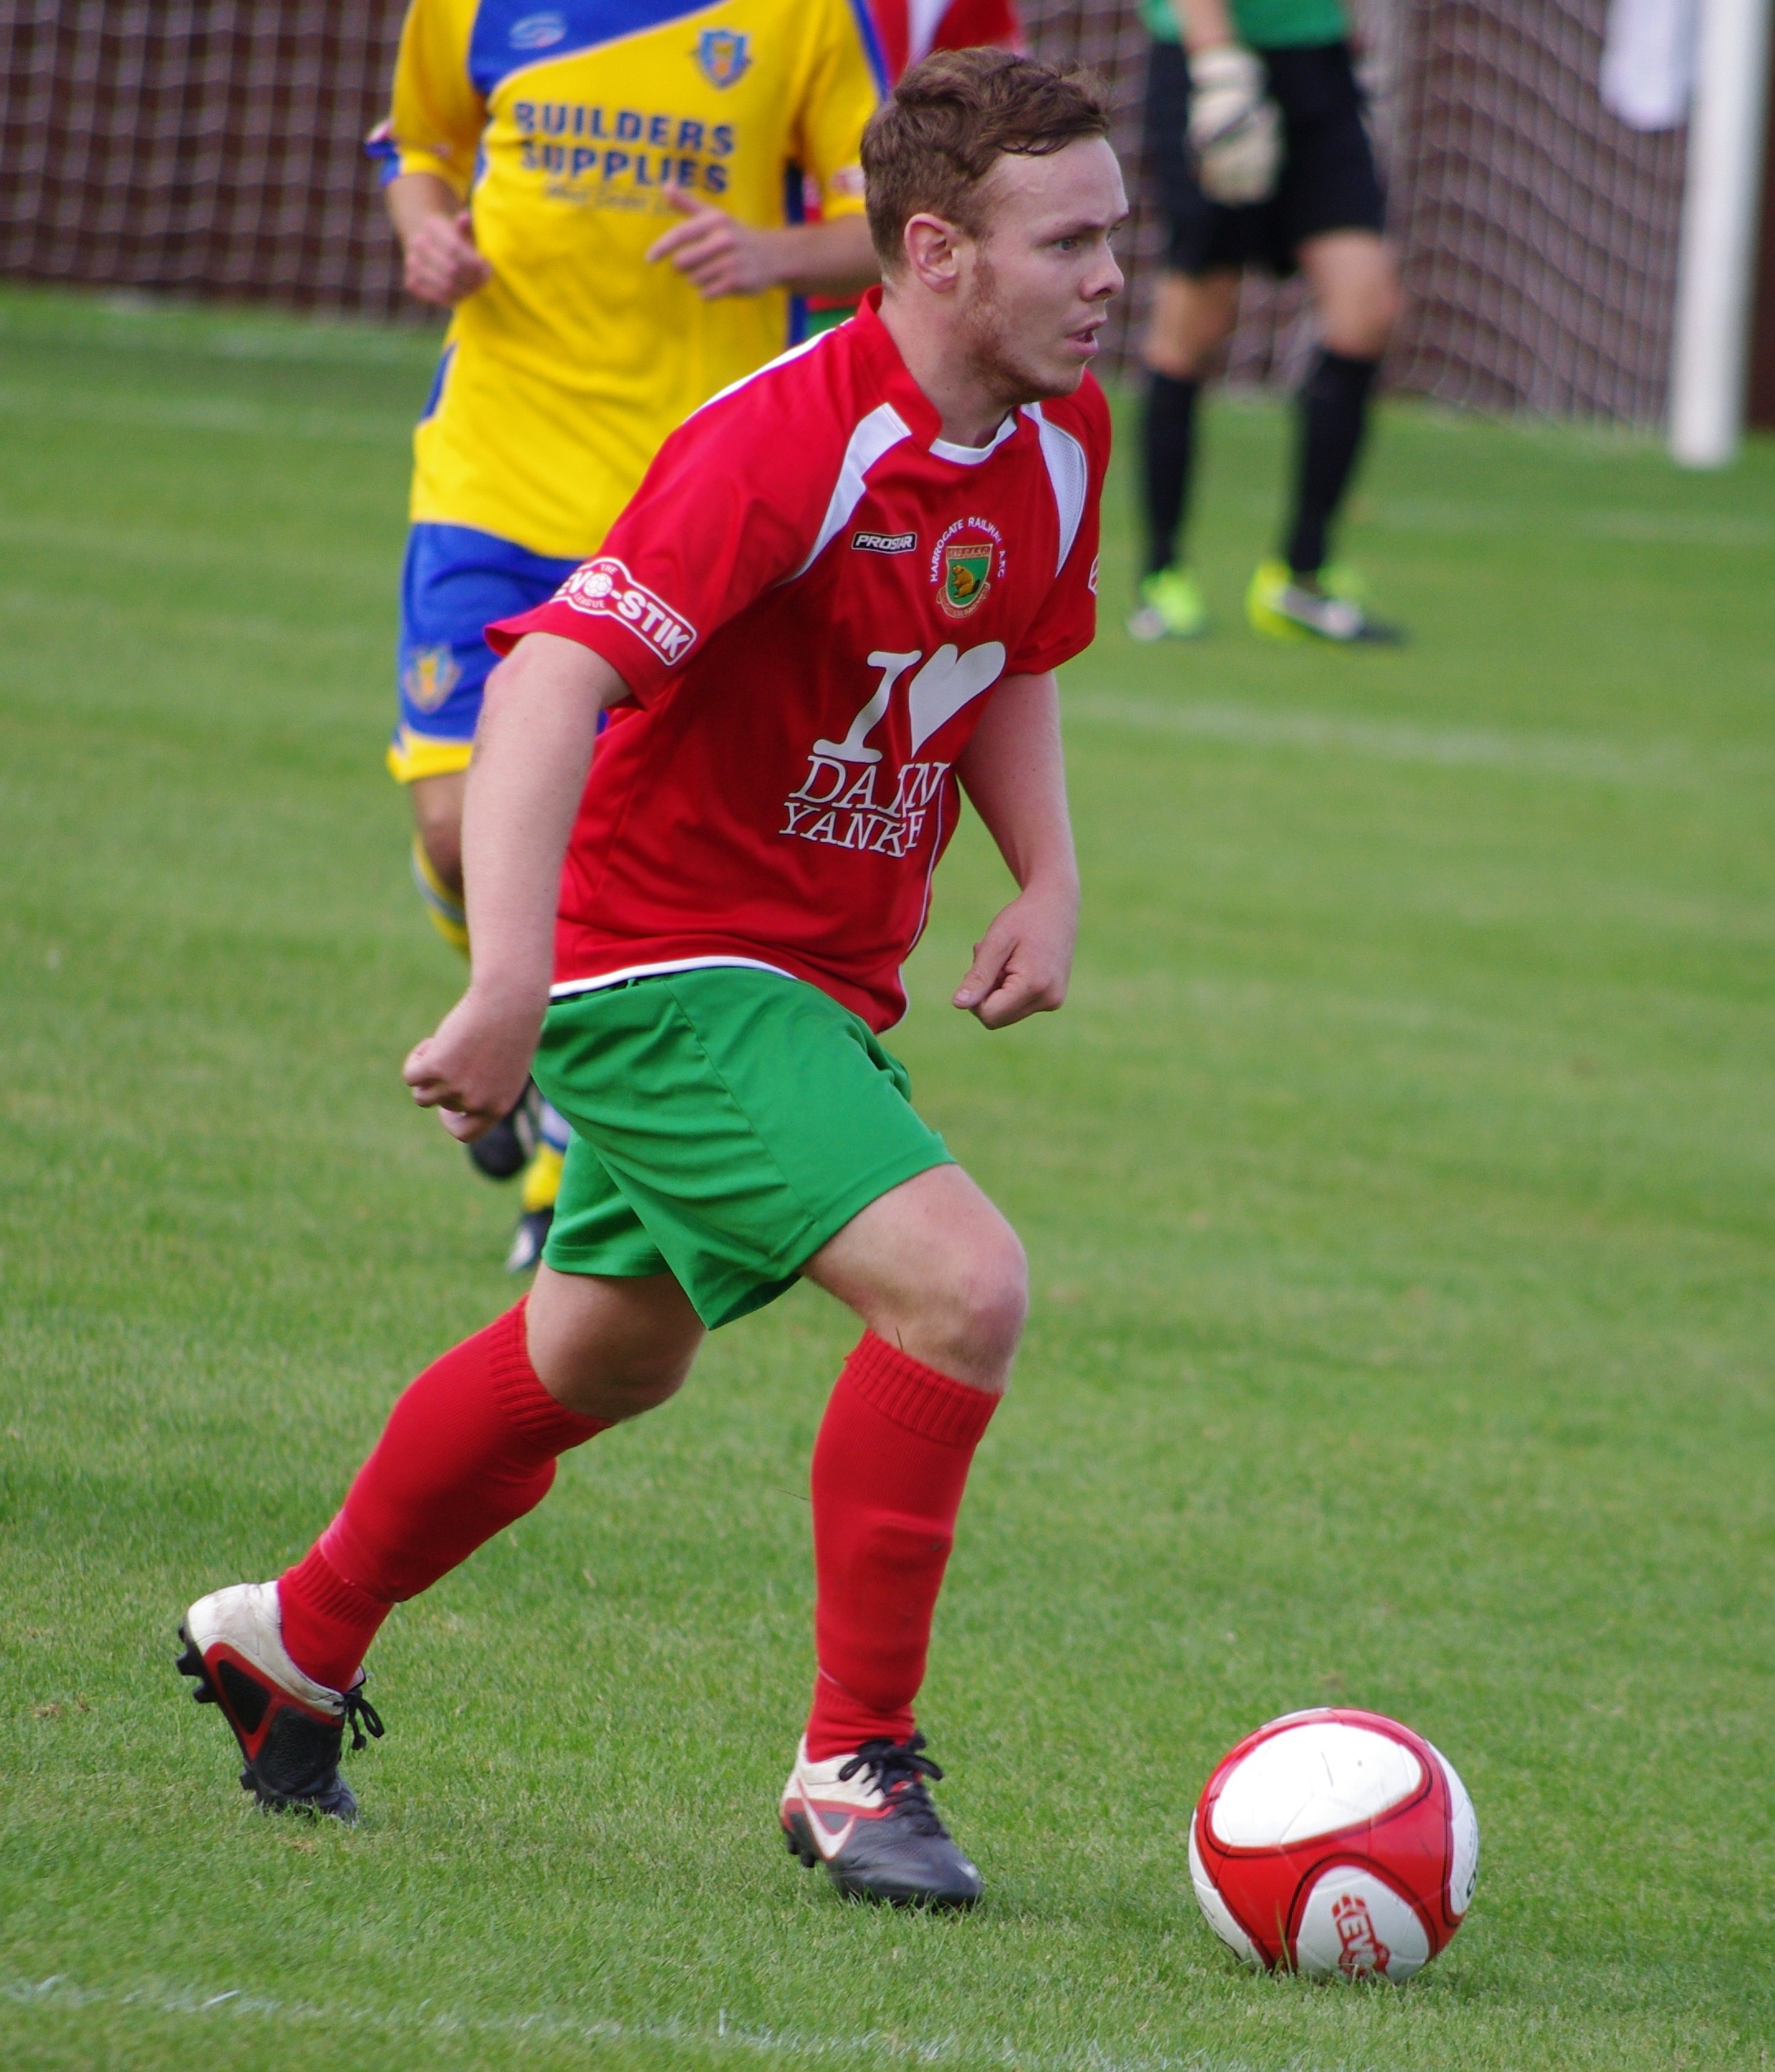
931 145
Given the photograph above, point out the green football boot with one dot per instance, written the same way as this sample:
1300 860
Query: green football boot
1281 605
1171 607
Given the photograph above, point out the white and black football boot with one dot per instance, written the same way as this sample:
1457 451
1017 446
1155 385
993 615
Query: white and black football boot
291 1729
528 1239
869 1818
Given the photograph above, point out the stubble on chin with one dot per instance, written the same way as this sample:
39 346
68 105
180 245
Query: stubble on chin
989 345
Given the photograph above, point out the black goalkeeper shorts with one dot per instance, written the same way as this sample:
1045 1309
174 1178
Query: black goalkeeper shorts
1328 179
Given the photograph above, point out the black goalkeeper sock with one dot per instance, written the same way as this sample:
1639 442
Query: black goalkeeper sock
1334 416
1169 449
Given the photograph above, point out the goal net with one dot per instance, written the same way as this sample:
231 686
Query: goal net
214 147
1538 233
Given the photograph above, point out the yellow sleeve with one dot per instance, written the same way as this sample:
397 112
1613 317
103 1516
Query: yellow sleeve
437 117
842 92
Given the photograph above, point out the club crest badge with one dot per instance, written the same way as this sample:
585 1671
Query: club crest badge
968 556
967 575
431 675
723 56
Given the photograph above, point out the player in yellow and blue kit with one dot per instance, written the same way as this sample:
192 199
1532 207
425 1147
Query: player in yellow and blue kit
607 193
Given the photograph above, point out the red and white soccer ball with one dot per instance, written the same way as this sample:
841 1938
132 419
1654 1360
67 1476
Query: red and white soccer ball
1335 1841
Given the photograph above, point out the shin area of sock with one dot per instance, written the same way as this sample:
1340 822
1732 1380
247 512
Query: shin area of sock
1167 457
1333 417
469 1447
890 1465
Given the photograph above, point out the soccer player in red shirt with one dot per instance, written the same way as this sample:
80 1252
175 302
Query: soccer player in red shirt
906 32
910 30
838 600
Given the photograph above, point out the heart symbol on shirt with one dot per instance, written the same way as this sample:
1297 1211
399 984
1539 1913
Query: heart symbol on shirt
948 681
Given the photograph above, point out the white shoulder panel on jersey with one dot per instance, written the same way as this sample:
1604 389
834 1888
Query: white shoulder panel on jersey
1069 472
883 428
923 20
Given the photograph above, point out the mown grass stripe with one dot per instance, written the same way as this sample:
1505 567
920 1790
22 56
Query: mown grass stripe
1676 763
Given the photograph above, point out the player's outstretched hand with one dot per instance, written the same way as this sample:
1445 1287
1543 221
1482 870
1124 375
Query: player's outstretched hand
1023 962
473 1067
717 255
442 265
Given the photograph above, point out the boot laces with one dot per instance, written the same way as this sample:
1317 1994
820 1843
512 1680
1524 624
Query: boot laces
899 1769
361 1714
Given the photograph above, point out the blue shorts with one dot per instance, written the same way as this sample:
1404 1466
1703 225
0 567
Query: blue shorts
455 581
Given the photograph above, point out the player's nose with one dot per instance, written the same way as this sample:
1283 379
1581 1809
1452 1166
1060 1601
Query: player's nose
1104 280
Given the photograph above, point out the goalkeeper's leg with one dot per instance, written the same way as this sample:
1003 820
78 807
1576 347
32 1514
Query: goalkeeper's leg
1192 317
1356 283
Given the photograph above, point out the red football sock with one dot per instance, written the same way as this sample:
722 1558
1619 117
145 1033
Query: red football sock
889 1467
469 1446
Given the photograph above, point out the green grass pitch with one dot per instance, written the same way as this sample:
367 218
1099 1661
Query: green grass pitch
1397 1184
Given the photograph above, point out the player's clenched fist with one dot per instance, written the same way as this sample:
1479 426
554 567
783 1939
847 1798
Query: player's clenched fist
1022 964
442 264
474 1067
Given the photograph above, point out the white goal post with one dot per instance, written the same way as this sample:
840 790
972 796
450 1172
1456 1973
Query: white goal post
1721 195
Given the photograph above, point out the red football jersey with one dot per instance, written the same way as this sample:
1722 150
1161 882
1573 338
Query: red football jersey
906 30
809 598
912 29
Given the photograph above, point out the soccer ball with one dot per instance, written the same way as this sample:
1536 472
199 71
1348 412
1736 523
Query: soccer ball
1335 1842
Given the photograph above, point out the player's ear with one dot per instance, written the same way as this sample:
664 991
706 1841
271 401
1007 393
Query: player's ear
931 244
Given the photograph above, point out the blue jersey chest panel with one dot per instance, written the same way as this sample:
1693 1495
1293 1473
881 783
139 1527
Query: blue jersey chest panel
511 33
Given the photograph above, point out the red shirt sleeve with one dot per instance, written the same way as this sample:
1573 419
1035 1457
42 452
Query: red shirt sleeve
1067 623
718 521
970 22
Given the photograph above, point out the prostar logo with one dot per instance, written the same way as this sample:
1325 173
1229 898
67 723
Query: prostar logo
604 589
885 543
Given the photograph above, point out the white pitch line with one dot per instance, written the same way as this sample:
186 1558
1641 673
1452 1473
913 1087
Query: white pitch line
1666 762
58 1990
1621 523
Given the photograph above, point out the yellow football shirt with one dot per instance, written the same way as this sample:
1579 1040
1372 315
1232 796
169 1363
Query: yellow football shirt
564 126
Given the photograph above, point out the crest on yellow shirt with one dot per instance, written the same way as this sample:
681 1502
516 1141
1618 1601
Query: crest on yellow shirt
723 55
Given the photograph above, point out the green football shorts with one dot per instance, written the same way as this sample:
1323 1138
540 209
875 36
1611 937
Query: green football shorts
727 1123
